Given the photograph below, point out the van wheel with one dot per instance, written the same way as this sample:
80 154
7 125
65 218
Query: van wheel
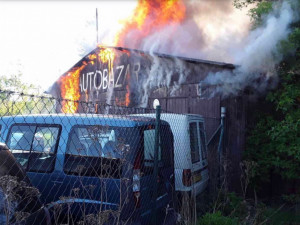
186 207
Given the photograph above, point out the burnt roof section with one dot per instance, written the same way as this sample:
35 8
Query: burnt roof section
190 60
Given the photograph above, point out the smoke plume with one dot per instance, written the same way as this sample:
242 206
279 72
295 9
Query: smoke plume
160 75
215 30
211 30
259 55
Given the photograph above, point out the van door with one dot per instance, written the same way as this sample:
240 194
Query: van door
93 167
35 148
164 179
198 155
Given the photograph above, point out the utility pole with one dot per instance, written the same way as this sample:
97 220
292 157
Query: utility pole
97 26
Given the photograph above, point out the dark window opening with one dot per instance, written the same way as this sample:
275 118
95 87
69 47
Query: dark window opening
195 155
202 141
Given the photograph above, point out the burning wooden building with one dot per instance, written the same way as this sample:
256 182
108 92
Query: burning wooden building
132 78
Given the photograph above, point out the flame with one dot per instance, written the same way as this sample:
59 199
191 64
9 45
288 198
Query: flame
151 16
92 57
127 96
107 55
69 86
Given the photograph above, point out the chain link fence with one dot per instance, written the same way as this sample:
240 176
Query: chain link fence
103 165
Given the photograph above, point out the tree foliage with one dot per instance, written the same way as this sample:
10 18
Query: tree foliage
17 97
274 143
257 13
244 3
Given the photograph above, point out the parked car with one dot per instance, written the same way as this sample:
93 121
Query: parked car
190 151
18 204
89 164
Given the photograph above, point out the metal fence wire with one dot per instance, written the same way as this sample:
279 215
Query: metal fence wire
103 165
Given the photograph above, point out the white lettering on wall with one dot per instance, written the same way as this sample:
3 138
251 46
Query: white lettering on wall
102 79
84 87
105 78
120 68
98 72
136 70
126 73
89 75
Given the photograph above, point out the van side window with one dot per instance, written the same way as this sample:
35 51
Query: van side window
165 148
149 147
95 151
34 146
202 140
194 140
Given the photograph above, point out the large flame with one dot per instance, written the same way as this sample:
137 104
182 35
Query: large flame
69 86
149 17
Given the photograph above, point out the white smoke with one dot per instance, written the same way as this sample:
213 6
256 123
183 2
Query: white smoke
259 56
214 30
160 76
209 30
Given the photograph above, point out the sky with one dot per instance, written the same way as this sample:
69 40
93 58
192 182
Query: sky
43 39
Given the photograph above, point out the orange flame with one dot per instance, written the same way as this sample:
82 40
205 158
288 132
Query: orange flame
127 95
69 86
107 55
149 17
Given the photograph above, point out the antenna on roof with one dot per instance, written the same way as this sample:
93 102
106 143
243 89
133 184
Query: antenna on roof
97 26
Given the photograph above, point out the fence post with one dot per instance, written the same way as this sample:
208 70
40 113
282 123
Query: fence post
155 169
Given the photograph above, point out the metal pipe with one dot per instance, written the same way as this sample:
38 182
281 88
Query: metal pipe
97 39
215 133
223 114
155 169
220 146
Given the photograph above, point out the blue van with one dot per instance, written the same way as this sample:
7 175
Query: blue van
92 164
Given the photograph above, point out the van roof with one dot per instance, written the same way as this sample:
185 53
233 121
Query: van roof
81 119
172 116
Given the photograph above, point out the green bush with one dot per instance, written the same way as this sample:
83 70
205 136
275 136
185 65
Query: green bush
217 219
